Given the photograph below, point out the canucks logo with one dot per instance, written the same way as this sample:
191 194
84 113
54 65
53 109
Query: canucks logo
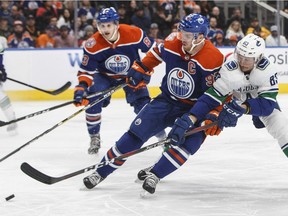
180 83
118 63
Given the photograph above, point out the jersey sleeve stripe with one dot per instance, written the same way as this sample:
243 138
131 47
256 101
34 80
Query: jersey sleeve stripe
213 97
156 53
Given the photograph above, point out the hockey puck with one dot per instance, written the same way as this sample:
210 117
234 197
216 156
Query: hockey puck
10 197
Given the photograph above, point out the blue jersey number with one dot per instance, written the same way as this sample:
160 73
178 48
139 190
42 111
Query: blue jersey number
273 80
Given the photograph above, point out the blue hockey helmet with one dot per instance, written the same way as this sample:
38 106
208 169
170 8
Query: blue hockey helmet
195 23
107 15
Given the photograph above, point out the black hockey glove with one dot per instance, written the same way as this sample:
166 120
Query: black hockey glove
3 74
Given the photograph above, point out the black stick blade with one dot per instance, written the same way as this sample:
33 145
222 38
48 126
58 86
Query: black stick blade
61 89
2 123
37 175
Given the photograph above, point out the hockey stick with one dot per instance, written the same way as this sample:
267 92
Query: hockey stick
54 92
103 97
2 123
41 177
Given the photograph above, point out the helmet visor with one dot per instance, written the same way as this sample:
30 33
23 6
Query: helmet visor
243 59
187 36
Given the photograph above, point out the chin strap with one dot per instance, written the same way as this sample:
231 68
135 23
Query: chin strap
195 45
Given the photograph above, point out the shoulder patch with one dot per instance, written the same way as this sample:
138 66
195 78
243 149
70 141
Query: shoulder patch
231 65
171 37
147 42
90 43
263 63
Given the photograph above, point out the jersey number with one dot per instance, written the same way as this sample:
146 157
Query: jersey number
273 80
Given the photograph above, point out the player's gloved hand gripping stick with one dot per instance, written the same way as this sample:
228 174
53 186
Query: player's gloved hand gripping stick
139 75
2 123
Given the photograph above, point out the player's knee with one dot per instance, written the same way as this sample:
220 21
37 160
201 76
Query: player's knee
140 103
129 142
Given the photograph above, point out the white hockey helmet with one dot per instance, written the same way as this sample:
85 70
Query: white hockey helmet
251 46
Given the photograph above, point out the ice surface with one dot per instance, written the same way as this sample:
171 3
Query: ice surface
243 172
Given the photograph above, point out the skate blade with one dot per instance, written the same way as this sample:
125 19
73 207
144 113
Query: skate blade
138 181
145 194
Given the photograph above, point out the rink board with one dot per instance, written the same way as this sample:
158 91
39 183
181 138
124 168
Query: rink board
49 69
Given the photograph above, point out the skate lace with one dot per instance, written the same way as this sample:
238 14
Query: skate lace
95 178
95 141
152 181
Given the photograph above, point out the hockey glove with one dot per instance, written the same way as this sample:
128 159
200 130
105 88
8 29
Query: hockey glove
139 75
181 125
212 116
228 117
3 74
79 92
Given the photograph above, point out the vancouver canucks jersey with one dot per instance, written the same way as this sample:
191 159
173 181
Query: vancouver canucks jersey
261 82
258 88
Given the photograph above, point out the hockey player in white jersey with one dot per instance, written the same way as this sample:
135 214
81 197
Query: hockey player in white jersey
5 103
252 80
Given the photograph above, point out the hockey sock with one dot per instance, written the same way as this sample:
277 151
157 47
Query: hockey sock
93 122
128 142
171 160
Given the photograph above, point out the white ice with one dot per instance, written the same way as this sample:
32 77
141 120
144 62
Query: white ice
242 172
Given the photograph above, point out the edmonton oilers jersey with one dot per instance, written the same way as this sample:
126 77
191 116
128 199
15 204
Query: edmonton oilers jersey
114 60
188 77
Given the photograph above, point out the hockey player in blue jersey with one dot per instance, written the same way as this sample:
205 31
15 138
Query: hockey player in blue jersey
108 55
191 63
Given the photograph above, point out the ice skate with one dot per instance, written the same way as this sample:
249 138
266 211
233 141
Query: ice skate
92 180
142 174
94 144
150 183
12 129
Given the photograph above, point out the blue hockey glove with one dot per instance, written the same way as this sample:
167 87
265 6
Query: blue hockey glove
3 74
228 117
181 125
79 92
139 75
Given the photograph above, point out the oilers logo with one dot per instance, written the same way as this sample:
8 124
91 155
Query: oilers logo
180 83
118 63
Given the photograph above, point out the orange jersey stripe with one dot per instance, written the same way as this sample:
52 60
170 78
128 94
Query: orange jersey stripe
175 155
128 35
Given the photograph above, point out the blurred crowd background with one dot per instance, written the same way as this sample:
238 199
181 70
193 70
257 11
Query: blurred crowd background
64 24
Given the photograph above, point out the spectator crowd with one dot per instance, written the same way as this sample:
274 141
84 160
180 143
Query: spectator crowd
51 24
